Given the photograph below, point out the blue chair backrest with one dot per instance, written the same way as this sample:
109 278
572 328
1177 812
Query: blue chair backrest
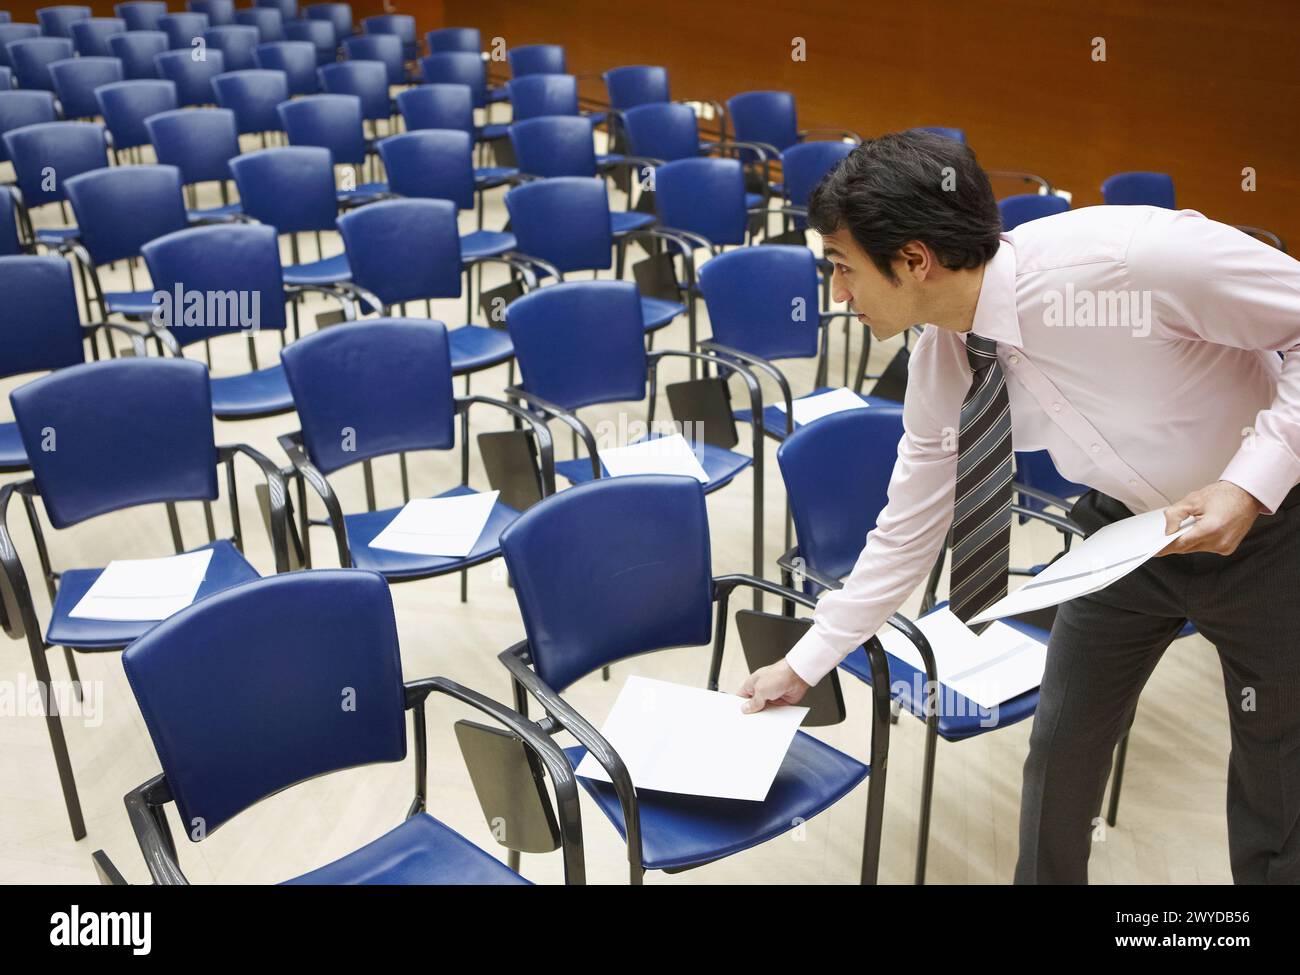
253 96
437 107
75 81
22 107
404 250
386 48
318 33
136 50
764 300
220 13
193 79
141 14
332 122
401 26
236 43
368 80
564 220
288 9
297 59
555 145
388 381
69 148
15 32
626 585
705 196
129 432
435 164
58 21
1035 469
39 325
536 59
535 95
90 37
580 342
450 39
182 29
338 14
126 104
636 84
200 142
227 277
1139 189
836 472
121 208
806 164
31 60
457 68
947 132
267 21
9 242
666 131
764 116
290 188
1024 207
240 692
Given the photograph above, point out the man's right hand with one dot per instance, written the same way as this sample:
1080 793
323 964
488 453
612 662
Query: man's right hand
777 684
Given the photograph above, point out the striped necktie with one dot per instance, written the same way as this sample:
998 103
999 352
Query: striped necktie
981 528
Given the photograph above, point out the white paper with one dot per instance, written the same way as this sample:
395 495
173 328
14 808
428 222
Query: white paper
144 589
660 455
823 404
687 740
1110 553
988 668
438 526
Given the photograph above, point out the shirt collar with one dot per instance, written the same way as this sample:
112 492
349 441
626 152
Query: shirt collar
996 316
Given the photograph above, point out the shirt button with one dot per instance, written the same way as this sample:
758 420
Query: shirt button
1132 482
1056 407
1015 359
1096 448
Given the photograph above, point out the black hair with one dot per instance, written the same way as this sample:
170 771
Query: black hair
909 186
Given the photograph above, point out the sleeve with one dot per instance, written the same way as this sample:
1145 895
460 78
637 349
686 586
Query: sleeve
910 531
1211 281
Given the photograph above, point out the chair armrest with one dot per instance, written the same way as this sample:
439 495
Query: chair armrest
564 416
1034 178
751 382
793 563
758 362
684 237
144 808
840 134
277 497
24 622
1266 235
136 337
291 444
519 262
545 444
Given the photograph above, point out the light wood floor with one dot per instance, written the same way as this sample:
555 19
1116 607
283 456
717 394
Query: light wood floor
1171 826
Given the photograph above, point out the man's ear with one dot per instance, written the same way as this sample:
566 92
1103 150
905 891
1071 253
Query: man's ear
915 260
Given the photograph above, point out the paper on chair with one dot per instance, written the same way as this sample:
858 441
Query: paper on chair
823 404
438 526
688 740
660 455
1110 553
144 589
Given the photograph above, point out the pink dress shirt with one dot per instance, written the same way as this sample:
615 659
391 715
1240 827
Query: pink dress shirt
1140 347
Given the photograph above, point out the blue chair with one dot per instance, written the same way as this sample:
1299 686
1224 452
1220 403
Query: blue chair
199 142
390 380
334 122
75 81
288 8
200 680
117 450
536 59
183 29
15 32
58 21
1024 207
31 60
566 221
126 104
297 59
267 20
450 39
141 15
90 36
438 106
439 164
768 119
338 14
803 166
535 95
193 79
236 43
368 80
705 198
386 48
629 586
71 148
1138 188
634 85
253 97
409 250
220 13
22 107
401 26
136 50
318 33
463 68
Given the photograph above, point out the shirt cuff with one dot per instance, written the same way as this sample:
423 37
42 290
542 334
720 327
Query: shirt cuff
1264 468
812 658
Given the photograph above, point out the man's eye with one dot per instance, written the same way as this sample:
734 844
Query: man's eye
842 268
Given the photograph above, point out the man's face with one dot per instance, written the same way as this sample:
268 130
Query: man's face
886 307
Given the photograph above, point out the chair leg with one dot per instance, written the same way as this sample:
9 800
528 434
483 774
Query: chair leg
512 860
927 797
60 746
74 675
1117 780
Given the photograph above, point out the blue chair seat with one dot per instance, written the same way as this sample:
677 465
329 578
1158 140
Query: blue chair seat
364 193
261 393
133 304
485 177
227 568
13 456
476 347
486 243
492 131
680 831
229 210
959 717
774 419
54 236
719 465
657 313
501 94
420 851
624 220
324 272
364 526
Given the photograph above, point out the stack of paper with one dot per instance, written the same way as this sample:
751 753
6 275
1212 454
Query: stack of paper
696 742
144 589
660 455
823 404
438 526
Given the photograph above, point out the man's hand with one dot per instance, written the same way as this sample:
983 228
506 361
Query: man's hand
777 684
1224 513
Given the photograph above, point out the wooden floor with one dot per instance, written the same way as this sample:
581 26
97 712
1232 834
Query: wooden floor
1171 826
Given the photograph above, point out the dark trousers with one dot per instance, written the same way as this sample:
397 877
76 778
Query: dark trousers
1103 648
